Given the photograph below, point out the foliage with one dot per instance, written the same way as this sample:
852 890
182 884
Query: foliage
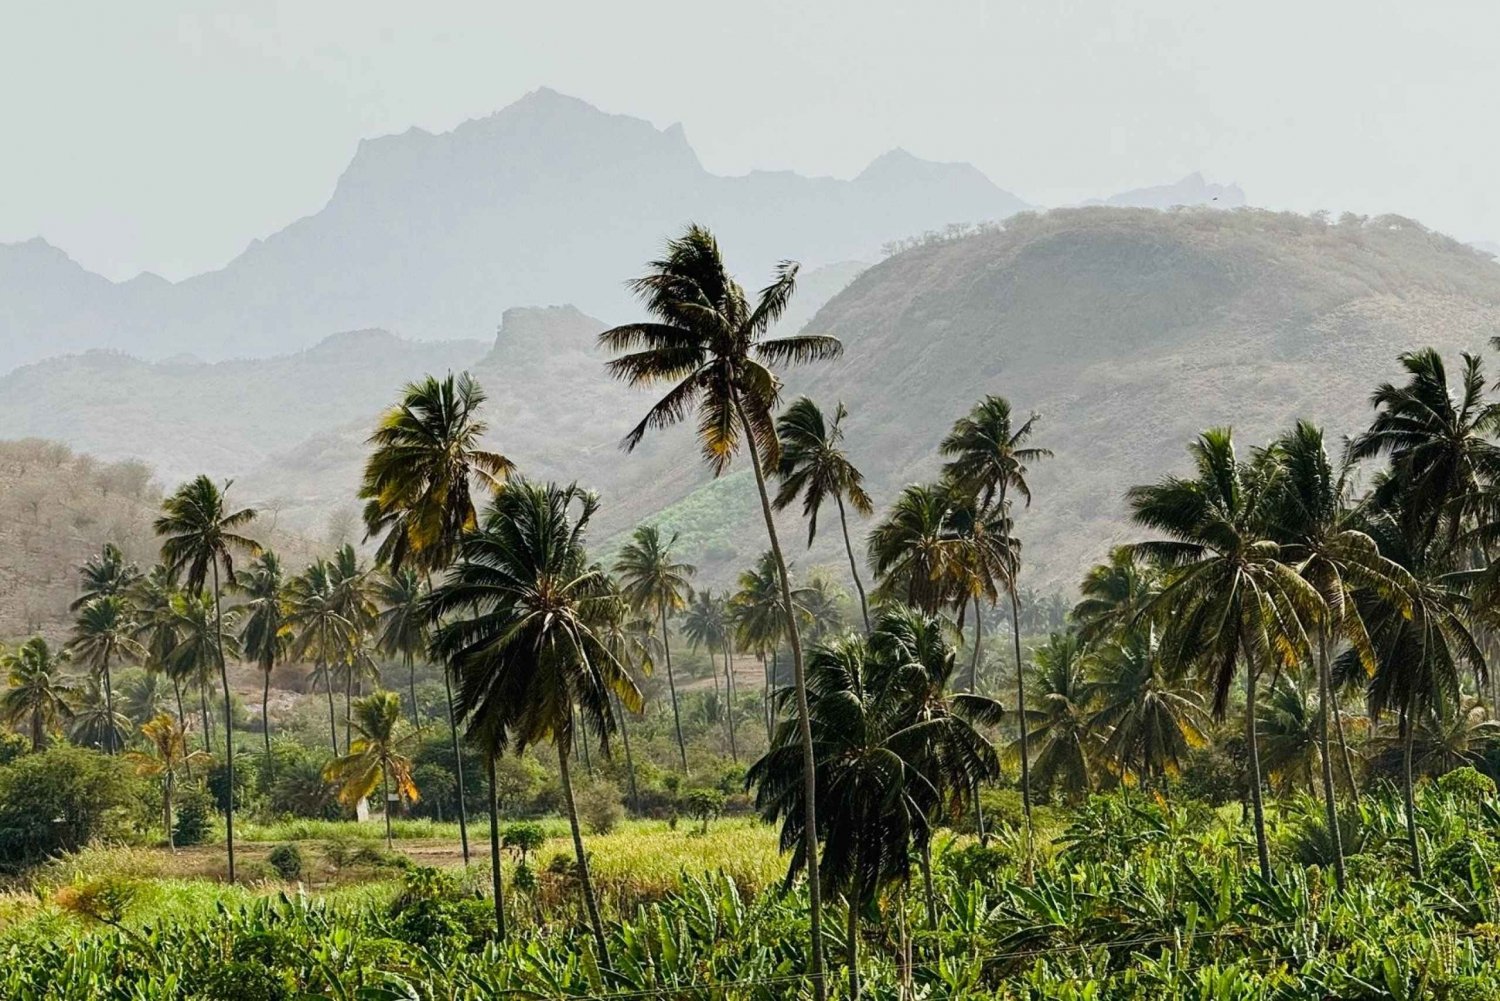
286 859
58 800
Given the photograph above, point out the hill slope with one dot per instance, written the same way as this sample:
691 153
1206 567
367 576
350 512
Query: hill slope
434 235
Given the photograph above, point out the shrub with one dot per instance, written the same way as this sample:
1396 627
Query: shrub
703 805
523 839
241 982
193 816
1467 783
286 859
59 800
296 787
599 806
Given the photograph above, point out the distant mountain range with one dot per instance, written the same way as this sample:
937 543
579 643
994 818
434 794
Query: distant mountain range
433 236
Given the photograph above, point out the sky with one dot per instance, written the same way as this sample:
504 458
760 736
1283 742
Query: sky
164 136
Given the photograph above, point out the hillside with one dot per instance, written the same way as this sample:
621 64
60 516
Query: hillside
435 235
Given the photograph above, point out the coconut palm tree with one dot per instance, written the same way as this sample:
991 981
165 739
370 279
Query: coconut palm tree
167 737
200 536
104 575
192 660
158 630
352 595
759 620
143 696
656 584
402 625
1290 735
989 459
319 631
1113 594
1057 715
425 461
1233 600
708 340
518 616
706 624
913 550
375 759
630 641
1147 718
814 467
95 723
104 632
37 696
265 631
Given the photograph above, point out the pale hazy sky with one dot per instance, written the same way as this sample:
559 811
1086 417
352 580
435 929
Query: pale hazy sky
163 135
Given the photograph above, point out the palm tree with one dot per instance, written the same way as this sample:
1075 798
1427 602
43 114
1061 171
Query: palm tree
402 625
706 624
988 459
105 575
424 463
352 596
319 630
630 641
266 632
198 630
708 340
168 738
1057 717
655 584
1113 594
519 614
913 549
1233 600
142 696
1147 719
815 468
1291 736
375 758
199 536
105 630
37 695
760 622
157 630
95 723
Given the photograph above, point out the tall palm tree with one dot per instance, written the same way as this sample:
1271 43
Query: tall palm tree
518 616
630 641
95 723
1113 594
425 461
167 737
1233 600
104 575
265 632
375 759
1057 716
157 630
1148 719
706 624
37 696
815 468
708 340
760 623
352 595
402 625
104 631
192 659
319 630
913 551
200 535
656 584
989 459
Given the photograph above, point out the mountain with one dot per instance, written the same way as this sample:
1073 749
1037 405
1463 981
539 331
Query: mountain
436 234
1191 190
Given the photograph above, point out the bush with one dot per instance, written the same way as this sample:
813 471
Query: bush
286 859
296 788
192 816
599 806
523 839
59 800
703 805
1467 783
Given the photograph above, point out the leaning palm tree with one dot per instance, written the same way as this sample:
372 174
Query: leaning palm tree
1233 600
989 459
707 339
375 759
104 575
518 614
168 739
37 697
265 633
402 625
814 467
103 633
656 584
200 535
425 461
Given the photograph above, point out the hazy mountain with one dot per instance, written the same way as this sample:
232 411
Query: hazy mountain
1191 190
435 235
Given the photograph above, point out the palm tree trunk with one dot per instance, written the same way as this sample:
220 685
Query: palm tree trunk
166 810
1252 746
182 721
1015 629
265 718
1325 688
854 895
583 741
411 675
666 648
734 752
974 657
458 758
496 880
635 797
208 728
804 720
864 605
385 792
927 890
590 904
348 707
1408 739
109 706
37 731
770 670
228 725
1338 729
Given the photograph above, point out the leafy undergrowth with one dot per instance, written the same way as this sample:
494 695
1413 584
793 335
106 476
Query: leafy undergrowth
1132 899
